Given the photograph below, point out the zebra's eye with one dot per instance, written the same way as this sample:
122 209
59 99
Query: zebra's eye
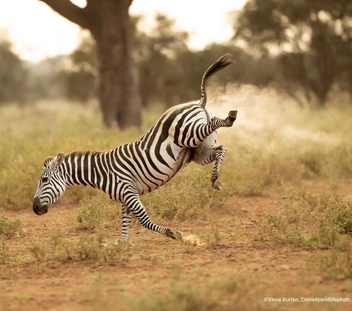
45 179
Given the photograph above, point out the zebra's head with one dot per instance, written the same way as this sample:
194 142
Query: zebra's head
51 185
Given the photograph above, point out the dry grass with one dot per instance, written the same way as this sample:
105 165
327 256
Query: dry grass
268 145
238 254
310 221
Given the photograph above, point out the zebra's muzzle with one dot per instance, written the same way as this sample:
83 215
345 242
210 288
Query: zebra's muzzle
38 208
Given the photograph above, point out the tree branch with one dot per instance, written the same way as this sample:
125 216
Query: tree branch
70 11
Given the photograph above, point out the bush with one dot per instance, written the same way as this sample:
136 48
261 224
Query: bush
9 228
97 213
310 221
336 265
88 247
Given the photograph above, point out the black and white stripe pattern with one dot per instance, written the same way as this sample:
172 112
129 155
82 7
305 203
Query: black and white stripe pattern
184 133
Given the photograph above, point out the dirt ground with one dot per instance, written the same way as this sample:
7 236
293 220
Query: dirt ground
231 252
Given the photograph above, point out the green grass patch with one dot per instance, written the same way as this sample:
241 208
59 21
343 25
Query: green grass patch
336 265
310 221
88 247
9 228
4 253
97 213
91 248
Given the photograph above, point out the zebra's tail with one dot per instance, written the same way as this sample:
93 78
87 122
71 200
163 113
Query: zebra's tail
221 63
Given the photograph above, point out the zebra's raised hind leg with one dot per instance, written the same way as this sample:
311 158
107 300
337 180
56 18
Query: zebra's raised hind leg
206 153
219 154
215 122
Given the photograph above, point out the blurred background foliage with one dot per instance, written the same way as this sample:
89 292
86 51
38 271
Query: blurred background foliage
312 40
13 74
300 47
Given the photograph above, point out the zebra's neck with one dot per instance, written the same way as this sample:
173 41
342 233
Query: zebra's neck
86 168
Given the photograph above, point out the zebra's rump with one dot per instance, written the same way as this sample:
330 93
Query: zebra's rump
163 149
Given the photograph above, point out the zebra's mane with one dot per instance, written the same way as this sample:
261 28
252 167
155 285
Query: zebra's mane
74 154
47 161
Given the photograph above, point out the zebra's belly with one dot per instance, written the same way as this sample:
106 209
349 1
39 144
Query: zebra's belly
203 151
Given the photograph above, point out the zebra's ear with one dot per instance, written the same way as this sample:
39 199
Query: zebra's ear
57 160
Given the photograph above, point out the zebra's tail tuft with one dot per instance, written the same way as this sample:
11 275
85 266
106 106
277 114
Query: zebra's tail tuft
220 64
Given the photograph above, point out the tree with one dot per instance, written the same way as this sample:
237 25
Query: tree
156 55
78 76
109 23
13 75
310 37
170 72
44 81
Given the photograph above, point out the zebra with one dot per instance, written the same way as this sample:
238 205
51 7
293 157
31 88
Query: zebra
184 133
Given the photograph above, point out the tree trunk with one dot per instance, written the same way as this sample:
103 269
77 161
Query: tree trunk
109 23
117 86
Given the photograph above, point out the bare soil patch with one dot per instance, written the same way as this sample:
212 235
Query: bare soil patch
230 255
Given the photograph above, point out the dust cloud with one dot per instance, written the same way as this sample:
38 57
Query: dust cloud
265 114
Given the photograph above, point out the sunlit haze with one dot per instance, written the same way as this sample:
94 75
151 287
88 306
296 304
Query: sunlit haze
38 32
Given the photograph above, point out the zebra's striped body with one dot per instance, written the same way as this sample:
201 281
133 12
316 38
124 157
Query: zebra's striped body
184 133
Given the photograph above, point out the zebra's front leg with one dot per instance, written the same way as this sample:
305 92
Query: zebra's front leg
219 154
126 217
137 209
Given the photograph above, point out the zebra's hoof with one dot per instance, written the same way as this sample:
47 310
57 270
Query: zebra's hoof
233 115
217 184
178 236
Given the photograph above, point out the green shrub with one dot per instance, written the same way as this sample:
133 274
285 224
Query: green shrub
4 253
336 265
9 228
88 247
91 248
98 212
312 221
